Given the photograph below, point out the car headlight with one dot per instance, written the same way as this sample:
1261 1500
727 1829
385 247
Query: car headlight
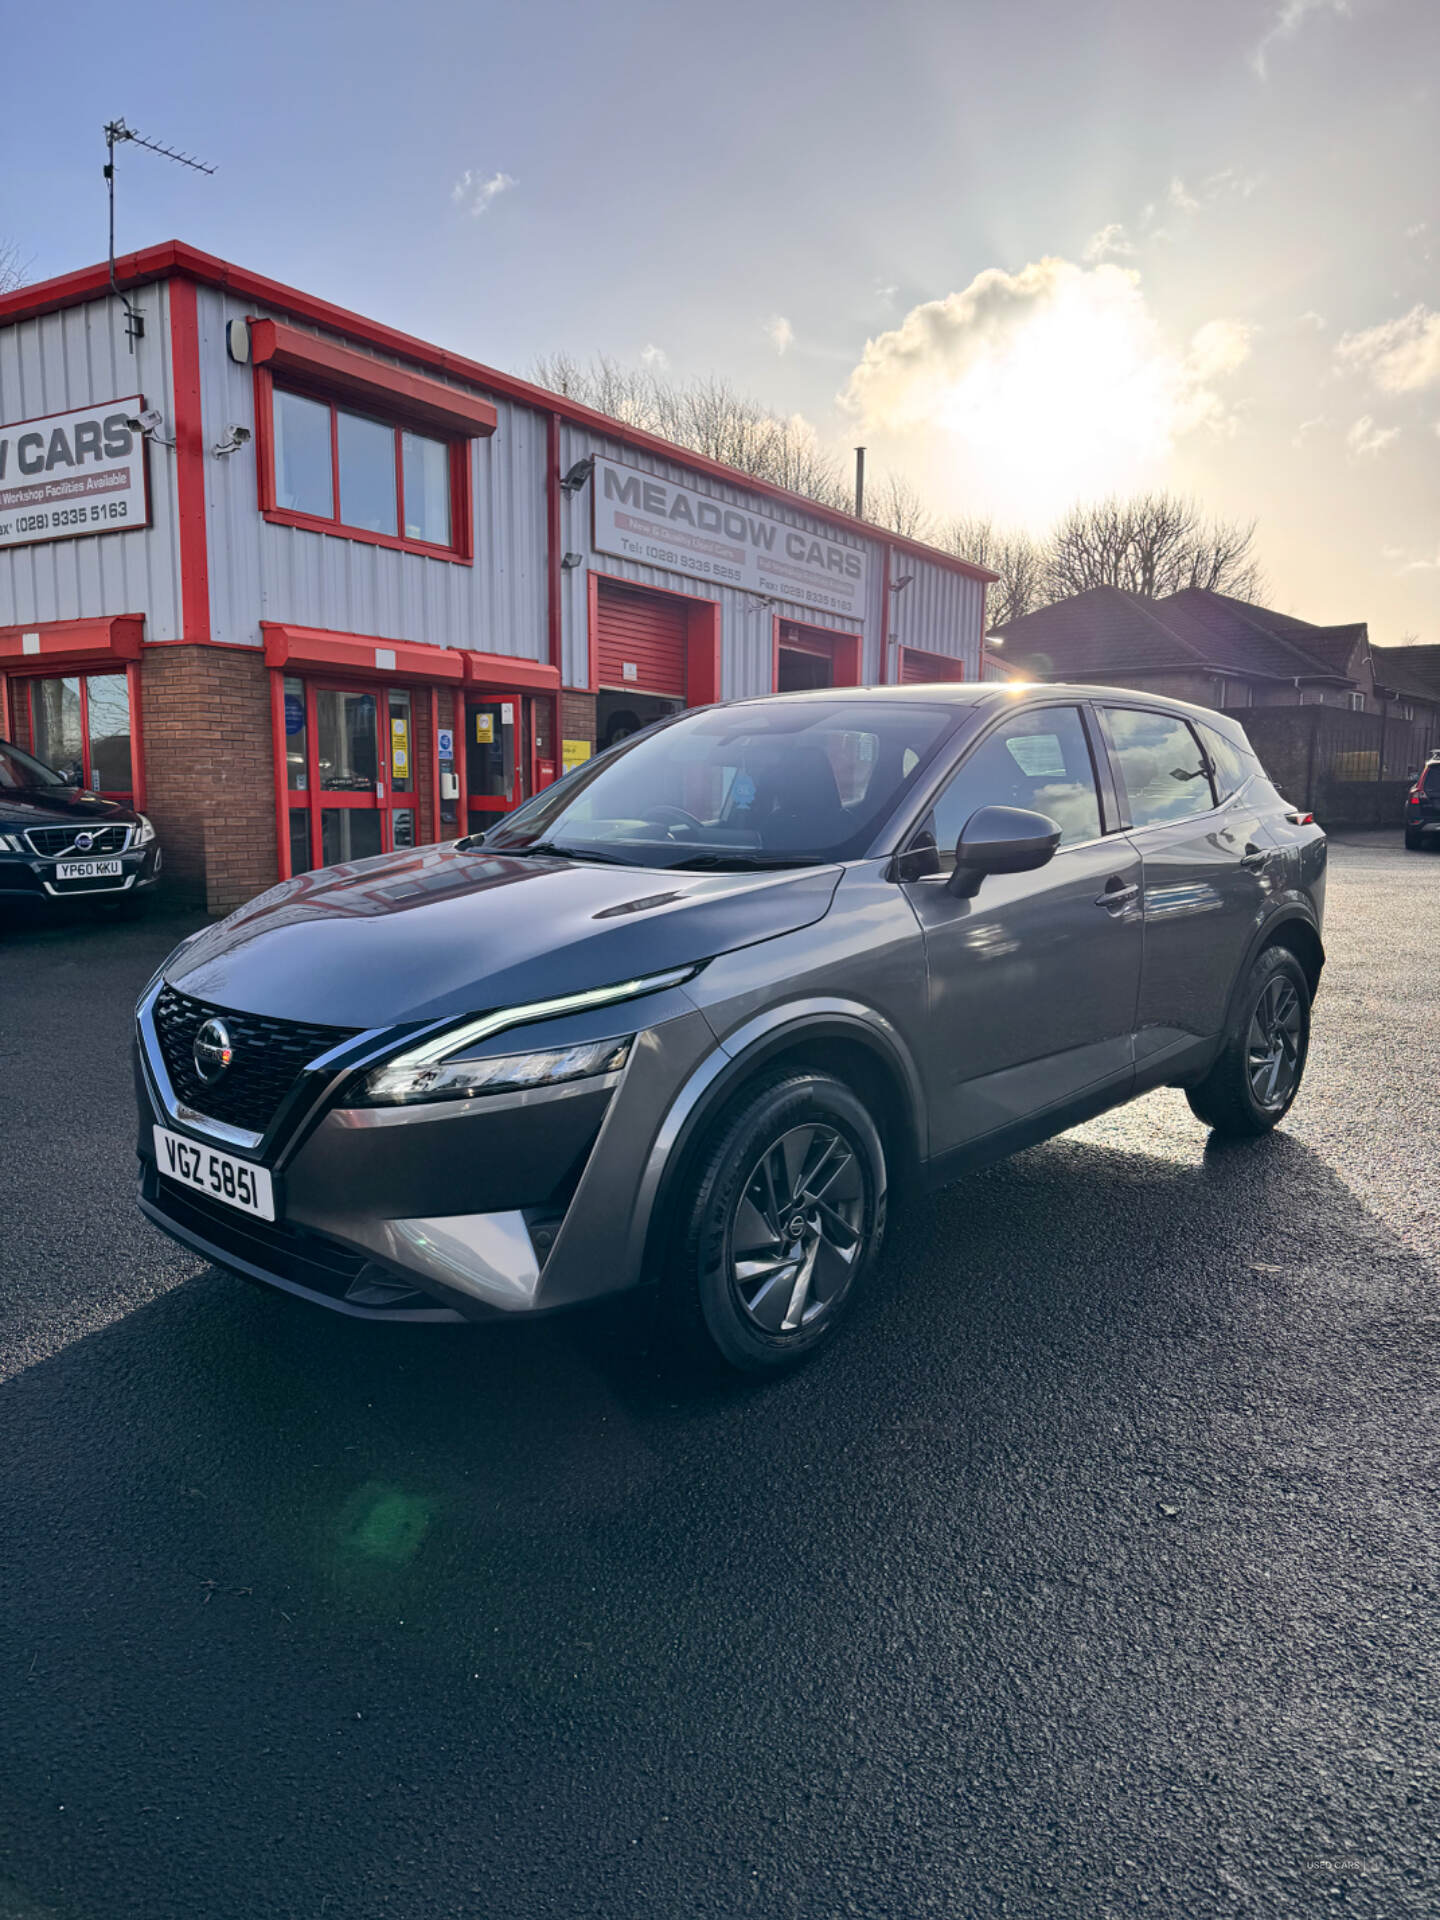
430 1070
144 831
12 843
399 1085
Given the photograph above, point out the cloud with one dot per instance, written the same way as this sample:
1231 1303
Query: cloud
1109 243
1181 198
1365 439
1307 427
779 332
1055 383
654 357
1219 347
1287 23
475 194
1401 356
1310 318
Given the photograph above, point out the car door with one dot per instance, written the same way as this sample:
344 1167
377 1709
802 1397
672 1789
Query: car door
1204 852
1032 983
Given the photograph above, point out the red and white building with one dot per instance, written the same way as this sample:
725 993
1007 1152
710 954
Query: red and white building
305 588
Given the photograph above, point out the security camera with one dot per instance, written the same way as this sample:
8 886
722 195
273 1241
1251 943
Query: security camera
148 425
235 438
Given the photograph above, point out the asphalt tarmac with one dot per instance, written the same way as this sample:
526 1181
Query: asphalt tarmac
1096 1572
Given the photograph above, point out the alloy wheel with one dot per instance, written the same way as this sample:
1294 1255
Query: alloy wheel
1275 1043
798 1229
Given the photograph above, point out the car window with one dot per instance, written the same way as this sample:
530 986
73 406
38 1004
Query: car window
775 782
1161 765
1230 767
1039 760
19 772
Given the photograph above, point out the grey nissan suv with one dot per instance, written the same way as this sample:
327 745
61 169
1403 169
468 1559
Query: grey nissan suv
687 1018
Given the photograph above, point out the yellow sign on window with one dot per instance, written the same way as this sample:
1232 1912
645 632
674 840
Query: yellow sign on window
399 746
574 753
485 729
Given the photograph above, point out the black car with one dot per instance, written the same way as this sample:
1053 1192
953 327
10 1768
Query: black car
56 840
1422 808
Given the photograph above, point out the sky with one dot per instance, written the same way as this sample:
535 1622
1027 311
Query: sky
1027 251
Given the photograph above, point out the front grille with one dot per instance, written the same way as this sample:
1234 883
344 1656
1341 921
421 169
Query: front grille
309 1259
269 1057
54 843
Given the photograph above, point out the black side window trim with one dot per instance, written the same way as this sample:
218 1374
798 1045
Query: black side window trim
1122 798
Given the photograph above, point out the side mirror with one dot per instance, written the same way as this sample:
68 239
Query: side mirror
1001 840
70 777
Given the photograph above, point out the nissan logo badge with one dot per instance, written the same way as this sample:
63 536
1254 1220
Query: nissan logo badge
212 1051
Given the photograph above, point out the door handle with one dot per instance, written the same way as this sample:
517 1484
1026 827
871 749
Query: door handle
1254 858
1117 895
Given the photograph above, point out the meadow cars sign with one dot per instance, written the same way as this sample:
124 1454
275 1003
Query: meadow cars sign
72 473
641 517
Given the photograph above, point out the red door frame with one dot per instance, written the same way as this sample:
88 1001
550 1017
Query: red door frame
845 651
62 669
316 803
524 698
702 638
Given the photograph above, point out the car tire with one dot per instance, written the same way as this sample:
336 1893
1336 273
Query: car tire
1413 841
1253 1083
786 1221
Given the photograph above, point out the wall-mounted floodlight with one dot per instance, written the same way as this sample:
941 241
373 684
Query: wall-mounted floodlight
570 561
903 581
578 474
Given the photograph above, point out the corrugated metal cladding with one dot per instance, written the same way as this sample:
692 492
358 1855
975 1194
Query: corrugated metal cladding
259 571
747 621
79 358
644 632
939 612
918 669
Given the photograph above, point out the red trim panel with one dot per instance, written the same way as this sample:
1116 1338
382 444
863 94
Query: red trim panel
174 256
189 462
340 370
116 638
360 654
281 771
504 671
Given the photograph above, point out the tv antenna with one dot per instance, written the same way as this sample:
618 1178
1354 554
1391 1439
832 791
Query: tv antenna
116 133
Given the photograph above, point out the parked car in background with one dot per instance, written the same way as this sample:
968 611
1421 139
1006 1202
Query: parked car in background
1422 807
687 1019
58 842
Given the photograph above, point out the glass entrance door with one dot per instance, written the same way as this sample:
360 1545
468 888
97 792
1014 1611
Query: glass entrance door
354 749
509 751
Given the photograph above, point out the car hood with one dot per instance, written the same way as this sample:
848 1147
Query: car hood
59 807
445 931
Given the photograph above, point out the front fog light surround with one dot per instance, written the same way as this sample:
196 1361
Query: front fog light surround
400 1084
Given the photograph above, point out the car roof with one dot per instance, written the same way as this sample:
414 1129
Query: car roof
971 693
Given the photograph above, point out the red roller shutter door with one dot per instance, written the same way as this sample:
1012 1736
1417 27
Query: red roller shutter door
917 668
646 632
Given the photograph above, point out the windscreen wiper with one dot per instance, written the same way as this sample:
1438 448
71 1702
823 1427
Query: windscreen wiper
553 849
743 862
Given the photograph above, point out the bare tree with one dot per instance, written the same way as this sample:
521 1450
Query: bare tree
1153 544
13 269
899 507
1019 560
708 416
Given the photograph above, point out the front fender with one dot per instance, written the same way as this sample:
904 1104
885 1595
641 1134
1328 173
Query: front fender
821 1020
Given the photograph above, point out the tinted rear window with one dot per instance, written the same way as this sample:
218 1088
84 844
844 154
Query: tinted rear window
1430 782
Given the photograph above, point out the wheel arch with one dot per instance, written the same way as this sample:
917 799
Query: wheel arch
1295 930
854 1048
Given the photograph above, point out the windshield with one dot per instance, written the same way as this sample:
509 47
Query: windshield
18 771
781 783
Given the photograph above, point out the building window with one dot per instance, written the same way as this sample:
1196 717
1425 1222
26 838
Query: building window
1357 703
80 725
361 475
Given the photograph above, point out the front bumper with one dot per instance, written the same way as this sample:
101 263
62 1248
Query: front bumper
27 876
518 1203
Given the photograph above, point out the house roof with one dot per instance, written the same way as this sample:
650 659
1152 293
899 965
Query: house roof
174 257
1413 671
1106 630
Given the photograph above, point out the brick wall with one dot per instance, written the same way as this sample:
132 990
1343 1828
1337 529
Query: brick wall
577 717
209 770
